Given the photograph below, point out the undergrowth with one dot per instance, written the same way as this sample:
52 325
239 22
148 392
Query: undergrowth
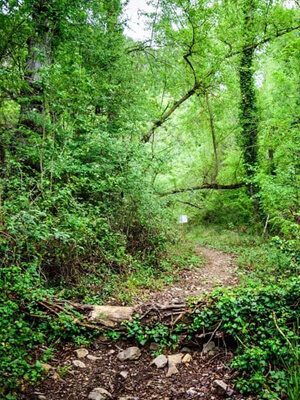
28 332
262 320
261 314
145 273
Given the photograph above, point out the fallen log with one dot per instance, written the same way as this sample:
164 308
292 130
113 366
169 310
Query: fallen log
108 317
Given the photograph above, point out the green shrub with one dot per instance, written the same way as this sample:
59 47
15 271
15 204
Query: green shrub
25 326
262 321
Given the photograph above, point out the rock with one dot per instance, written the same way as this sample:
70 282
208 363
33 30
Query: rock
173 360
124 374
128 398
111 352
160 361
131 354
81 353
42 397
172 370
111 316
79 364
99 394
186 359
207 347
92 358
191 392
221 388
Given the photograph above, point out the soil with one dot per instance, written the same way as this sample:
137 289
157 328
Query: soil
144 381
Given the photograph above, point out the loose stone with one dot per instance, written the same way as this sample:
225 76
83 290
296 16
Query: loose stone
81 353
99 394
160 361
131 354
187 359
79 364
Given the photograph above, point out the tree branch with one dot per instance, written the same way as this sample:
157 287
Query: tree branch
198 84
267 39
156 124
189 204
215 186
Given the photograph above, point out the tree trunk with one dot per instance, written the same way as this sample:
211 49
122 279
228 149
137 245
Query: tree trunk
248 109
38 56
213 135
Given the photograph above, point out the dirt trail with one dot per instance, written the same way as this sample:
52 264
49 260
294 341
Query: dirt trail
219 269
139 379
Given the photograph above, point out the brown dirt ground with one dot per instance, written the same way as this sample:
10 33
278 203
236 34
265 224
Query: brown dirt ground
145 381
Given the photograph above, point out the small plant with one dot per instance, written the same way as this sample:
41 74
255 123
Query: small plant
158 333
63 370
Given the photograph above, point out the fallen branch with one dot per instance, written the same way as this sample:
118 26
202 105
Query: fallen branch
103 318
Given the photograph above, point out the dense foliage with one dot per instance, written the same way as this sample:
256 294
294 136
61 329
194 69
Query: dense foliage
104 140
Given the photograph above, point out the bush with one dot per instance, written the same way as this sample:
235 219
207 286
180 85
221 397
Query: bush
263 322
25 326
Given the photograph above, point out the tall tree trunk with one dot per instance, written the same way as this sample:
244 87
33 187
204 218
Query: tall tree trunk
213 136
38 56
248 108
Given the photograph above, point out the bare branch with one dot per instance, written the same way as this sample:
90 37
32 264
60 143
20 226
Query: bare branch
214 186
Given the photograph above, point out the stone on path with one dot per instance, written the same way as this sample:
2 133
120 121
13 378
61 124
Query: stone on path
187 359
160 361
79 364
130 354
92 358
81 353
172 370
124 374
173 360
128 398
99 394
192 392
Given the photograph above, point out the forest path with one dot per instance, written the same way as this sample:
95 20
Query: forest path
217 270
100 374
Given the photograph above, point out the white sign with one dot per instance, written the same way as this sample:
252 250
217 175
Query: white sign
183 219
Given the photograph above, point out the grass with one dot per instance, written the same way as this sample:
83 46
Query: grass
258 258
